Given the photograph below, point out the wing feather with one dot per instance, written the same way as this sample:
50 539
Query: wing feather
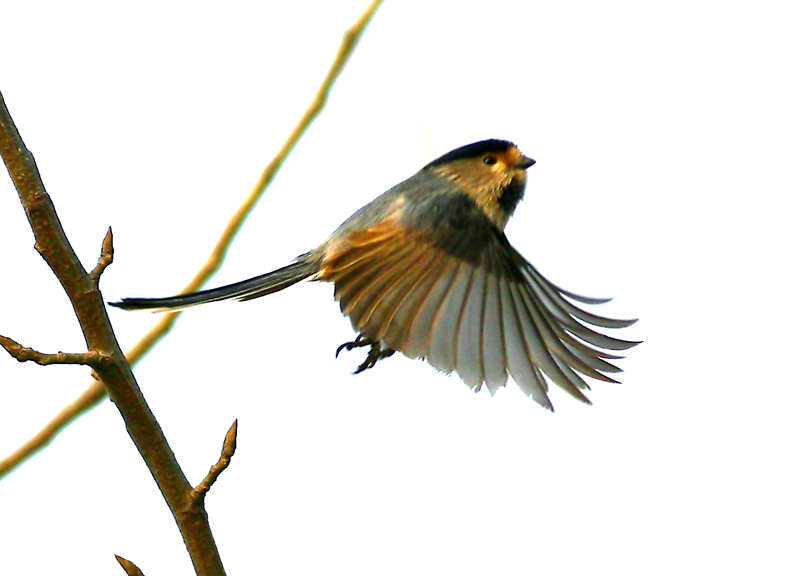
421 323
360 288
493 349
523 353
552 342
558 300
572 325
544 358
469 342
443 337
388 270
397 332
383 311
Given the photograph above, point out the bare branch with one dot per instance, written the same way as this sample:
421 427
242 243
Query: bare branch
228 449
23 354
95 393
114 371
130 568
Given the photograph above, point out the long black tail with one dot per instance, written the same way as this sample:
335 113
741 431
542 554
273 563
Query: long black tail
244 290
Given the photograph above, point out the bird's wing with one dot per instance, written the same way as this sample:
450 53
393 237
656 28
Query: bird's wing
479 309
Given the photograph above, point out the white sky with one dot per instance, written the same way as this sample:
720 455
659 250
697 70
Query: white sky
666 140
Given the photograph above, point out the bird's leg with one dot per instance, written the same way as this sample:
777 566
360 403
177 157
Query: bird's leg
376 352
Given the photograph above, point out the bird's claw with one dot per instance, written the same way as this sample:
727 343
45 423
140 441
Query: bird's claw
357 343
376 352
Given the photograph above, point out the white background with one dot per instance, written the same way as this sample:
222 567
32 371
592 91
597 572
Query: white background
666 136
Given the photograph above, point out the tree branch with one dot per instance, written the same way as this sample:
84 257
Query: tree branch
95 393
115 372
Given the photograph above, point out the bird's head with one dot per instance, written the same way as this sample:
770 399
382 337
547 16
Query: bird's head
491 172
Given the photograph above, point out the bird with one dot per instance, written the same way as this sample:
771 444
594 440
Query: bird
426 269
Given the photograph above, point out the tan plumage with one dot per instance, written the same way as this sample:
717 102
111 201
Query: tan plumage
425 269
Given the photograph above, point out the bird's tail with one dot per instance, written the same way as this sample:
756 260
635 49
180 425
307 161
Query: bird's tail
245 290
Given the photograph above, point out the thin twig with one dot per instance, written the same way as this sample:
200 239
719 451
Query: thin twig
130 568
106 257
90 397
22 354
95 393
228 449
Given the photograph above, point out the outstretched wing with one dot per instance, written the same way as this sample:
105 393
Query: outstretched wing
469 302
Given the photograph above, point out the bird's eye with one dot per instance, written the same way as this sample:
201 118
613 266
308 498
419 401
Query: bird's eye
490 160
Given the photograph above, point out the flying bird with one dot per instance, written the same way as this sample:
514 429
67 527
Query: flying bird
426 269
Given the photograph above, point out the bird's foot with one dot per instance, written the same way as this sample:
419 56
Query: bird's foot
357 343
376 352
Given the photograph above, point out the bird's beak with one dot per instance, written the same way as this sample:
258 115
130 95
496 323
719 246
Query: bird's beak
524 162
